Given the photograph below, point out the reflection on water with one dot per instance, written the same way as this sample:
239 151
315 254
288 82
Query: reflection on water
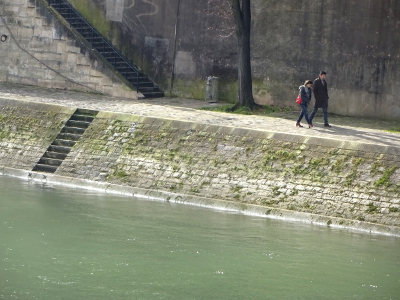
59 243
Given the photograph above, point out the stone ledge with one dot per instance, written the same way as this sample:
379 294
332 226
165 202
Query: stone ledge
284 137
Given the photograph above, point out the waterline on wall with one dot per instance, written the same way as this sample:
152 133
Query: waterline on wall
49 180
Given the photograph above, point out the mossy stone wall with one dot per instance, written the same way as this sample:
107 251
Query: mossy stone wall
279 171
247 166
26 131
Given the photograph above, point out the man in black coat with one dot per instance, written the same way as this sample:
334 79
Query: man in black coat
320 90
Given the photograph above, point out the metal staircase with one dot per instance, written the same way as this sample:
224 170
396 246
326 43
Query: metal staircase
65 140
123 65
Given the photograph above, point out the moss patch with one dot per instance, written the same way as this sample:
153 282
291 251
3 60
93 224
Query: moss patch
385 179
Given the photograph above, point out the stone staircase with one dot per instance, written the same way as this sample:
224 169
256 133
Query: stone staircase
65 140
106 49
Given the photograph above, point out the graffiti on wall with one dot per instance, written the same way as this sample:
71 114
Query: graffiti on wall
127 11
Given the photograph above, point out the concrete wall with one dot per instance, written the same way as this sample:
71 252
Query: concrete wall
41 51
349 181
357 42
179 43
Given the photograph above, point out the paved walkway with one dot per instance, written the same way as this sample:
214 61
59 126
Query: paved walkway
343 128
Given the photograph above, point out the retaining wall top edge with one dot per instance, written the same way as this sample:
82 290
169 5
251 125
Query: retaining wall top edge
240 131
36 105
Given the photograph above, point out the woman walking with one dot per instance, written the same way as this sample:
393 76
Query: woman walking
305 94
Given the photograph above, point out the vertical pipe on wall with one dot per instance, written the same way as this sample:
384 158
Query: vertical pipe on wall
175 45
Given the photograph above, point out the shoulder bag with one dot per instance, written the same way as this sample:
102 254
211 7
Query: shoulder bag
298 99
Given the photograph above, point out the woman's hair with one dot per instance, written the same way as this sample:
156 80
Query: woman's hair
307 82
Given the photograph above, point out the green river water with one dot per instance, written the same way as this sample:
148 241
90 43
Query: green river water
63 243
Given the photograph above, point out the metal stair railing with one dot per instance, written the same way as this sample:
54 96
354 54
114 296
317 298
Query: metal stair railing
105 44
94 31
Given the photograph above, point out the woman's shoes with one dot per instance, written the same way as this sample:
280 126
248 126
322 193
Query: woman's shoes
309 125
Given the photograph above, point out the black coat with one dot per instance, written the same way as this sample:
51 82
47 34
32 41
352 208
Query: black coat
320 93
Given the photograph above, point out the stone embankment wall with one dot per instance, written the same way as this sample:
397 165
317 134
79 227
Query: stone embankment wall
27 129
42 51
281 172
180 43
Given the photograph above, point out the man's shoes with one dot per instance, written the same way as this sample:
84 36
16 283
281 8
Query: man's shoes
327 125
310 125
298 125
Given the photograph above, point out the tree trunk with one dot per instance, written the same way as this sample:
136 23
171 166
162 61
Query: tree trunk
242 15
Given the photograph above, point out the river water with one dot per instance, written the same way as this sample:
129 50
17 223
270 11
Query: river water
60 243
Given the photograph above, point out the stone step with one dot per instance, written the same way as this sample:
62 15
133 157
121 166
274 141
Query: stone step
68 136
85 111
84 118
65 143
50 161
79 124
74 130
59 149
45 168
153 94
55 155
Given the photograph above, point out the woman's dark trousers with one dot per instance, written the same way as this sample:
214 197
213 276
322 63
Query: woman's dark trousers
304 112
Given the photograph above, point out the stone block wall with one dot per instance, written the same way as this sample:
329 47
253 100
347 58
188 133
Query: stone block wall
42 51
278 171
26 131
247 166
